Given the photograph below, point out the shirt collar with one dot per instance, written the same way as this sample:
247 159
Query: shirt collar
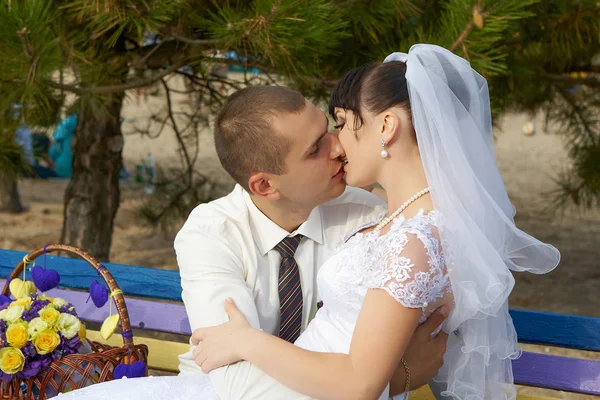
267 234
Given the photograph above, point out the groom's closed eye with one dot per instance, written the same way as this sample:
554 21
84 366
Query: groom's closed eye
314 148
315 151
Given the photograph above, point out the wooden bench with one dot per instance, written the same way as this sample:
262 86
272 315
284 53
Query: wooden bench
155 309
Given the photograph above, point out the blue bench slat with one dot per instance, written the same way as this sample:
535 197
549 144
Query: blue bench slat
77 274
570 331
559 373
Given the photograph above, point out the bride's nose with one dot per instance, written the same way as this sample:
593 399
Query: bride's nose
337 150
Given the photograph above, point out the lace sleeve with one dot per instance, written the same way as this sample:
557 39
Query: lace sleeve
412 269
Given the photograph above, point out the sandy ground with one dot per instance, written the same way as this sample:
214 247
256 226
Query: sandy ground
527 163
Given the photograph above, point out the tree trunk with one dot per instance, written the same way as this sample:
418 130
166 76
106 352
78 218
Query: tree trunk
92 197
10 200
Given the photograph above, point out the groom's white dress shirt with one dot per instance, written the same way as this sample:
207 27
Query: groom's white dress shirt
225 249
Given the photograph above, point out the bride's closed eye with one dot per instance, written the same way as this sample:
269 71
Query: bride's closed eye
339 126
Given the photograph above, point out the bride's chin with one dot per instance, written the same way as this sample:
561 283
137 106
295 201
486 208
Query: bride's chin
348 179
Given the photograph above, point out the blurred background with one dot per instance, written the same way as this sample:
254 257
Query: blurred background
106 109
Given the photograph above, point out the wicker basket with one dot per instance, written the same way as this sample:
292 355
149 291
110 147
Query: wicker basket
75 371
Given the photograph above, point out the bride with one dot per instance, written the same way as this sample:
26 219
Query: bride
419 124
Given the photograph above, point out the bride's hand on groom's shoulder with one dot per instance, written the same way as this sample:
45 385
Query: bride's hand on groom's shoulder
220 345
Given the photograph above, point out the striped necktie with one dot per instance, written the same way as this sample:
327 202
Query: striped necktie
290 290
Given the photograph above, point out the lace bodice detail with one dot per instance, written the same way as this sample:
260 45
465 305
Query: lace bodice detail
407 262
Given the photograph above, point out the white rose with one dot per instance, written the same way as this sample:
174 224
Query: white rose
58 302
3 313
36 325
13 313
68 325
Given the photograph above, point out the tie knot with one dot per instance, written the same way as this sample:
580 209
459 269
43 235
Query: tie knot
287 247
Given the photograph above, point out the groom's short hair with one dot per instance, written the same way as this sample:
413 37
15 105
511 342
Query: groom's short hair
245 139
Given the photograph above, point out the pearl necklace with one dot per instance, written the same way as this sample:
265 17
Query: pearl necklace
399 211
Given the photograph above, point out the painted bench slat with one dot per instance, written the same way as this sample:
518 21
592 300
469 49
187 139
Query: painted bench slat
163 355
532 327
143 314
77 274
555 372
424 393
570 331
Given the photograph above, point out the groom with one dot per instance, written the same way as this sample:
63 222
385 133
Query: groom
290 200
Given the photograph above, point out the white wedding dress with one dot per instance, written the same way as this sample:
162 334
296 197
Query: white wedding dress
362 262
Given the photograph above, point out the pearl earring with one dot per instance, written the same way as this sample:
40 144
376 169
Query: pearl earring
384 152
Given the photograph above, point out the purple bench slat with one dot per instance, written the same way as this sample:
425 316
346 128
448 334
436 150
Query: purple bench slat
560 373
143 314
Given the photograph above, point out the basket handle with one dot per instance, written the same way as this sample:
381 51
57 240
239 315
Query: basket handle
118 298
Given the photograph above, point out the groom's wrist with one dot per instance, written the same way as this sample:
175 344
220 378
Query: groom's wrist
398 381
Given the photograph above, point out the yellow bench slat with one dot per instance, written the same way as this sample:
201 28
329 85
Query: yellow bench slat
424 393
162 354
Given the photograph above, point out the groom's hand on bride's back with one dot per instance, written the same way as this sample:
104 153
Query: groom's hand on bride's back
424 355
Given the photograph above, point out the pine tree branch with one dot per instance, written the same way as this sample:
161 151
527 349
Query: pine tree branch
463 36
188 160
192 41
206 85
189 171
138 83
592 80
584 68
577 110
142 62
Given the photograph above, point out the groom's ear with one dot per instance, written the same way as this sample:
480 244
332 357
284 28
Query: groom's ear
264 185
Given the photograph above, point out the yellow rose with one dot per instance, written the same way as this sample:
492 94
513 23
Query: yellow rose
49 315
11 360
46 341
16 335
25 302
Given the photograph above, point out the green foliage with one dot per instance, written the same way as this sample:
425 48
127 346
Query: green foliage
111 20
28 55
576 112
288 36
551 68
96 48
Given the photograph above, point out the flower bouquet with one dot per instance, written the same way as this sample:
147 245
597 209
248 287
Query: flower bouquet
35 330
43 345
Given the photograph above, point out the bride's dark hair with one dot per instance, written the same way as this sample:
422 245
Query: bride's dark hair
375 88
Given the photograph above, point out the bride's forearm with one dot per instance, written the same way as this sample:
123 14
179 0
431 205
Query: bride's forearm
327 376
